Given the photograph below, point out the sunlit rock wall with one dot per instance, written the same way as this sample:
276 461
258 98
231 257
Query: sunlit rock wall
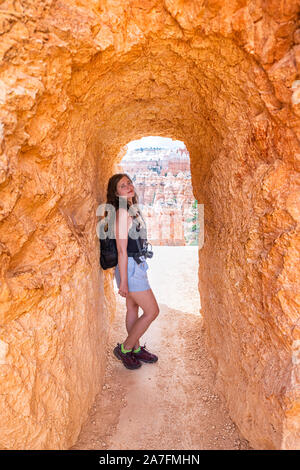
81 79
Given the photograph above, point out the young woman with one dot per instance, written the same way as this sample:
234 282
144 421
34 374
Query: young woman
130 272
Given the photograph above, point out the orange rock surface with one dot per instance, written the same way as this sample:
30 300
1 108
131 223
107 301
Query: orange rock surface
78 81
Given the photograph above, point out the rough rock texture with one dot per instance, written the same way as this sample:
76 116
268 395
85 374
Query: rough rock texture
79 80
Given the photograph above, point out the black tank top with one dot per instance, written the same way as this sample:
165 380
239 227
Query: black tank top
139 226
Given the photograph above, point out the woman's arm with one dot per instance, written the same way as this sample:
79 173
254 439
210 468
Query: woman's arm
122 227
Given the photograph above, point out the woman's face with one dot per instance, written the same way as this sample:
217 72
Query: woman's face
125 187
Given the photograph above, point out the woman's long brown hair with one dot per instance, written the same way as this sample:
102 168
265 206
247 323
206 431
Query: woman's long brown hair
113 199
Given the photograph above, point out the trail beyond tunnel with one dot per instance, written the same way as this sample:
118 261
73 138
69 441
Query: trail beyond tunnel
78 81
169 404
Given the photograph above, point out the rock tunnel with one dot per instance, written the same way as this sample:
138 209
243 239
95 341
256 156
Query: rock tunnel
79 80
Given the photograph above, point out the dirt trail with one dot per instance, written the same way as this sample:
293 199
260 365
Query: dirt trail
170 404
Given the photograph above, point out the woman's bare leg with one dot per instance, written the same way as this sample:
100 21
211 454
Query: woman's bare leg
147 301
132 315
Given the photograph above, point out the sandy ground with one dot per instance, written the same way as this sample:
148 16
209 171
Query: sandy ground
170 404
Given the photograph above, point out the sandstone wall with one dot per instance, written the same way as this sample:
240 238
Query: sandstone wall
79 80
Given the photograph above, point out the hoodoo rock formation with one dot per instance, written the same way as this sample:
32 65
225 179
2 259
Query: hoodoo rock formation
80 79
165 194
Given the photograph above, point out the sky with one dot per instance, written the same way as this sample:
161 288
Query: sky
153 141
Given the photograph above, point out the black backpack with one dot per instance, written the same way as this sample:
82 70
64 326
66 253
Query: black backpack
108 253
108 245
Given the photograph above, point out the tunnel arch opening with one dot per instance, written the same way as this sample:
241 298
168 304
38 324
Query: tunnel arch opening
160 170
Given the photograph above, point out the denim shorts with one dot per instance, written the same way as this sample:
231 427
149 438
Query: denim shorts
136 274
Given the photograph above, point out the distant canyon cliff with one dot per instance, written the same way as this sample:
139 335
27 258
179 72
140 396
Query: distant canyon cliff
162 180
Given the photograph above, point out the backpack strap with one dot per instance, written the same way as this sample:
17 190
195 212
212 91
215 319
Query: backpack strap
139 246
141 252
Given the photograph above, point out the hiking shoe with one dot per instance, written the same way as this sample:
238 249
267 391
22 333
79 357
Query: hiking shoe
129 360
144 355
